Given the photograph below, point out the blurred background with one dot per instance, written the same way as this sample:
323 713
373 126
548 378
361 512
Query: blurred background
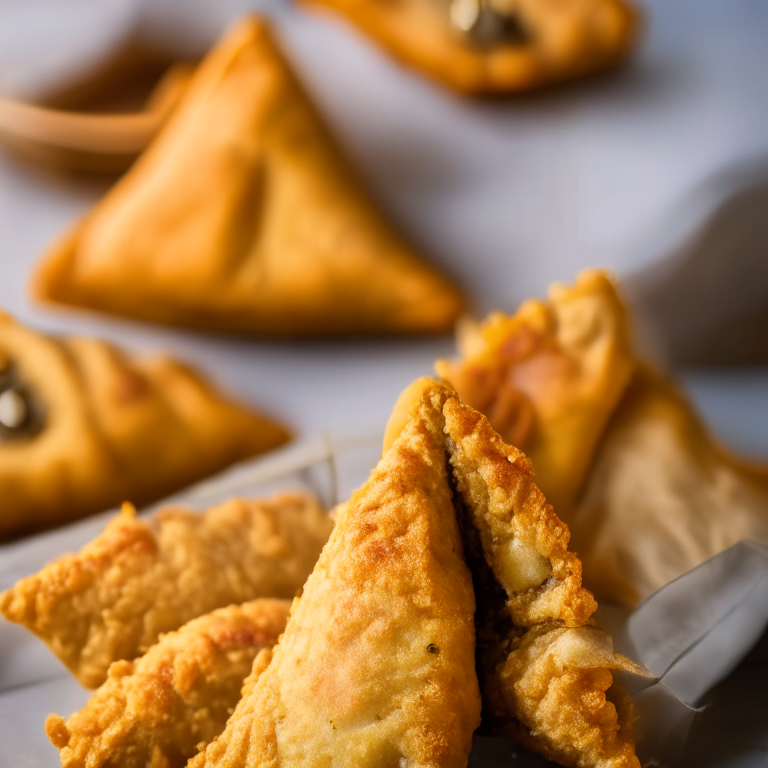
633 171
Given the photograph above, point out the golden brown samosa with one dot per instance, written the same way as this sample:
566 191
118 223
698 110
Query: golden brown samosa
83 427
154 711
498 46
243 216
137 580
377 663
375 667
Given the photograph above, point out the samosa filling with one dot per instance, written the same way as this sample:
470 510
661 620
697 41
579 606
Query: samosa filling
494 629
20 414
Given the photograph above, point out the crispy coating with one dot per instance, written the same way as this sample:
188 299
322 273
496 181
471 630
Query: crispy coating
555 681
550 40
549 377
243 216
662 496
155 711
523 540
531 607
138 580
377 664
112 428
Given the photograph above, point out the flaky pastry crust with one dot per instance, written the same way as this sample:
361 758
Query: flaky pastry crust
549 377
377 664
137 580
155 711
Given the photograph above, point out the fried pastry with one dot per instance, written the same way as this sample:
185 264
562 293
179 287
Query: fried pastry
544 672
83 427
498 46
662 495
554 693
352 680
138 579
156 710
549 377
243 216
377 663
647 493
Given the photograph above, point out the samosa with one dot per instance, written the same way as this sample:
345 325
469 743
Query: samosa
243 216
377 663
549 377
498 46
140 579
84 426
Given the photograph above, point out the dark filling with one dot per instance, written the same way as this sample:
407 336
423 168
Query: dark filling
494 629
494 28
34 418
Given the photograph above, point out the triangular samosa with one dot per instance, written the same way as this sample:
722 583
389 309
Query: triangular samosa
243 216
498 46
377 663
140 579
154 711
83 427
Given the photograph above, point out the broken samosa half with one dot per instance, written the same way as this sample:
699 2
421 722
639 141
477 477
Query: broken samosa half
646 490
84 426
139 579
156 710
243 216
377 663
545 672
498 46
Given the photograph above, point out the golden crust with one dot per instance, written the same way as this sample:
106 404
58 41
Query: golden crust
495 482
647 493
662 496
376 666
243 216
156 710
537 657
352 681
557 693
549 377
123 590
114 428
563 41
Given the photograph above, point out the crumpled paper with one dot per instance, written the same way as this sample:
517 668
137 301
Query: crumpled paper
691 633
